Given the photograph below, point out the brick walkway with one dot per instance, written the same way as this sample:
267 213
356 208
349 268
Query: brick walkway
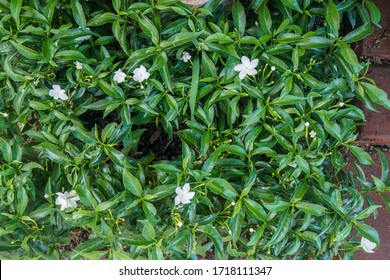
377 129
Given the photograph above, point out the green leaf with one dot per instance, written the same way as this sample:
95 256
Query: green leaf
303 165
368 232
265 19
256 209
194 85
293 4
222 187
6 150
360 154
367 212
216 238
359 33
311 208
27 52
54 154
15 7
239 18
374 12
78 13
282 228
384 164
22 201
131 183
313 42
333 18
376 94
148 231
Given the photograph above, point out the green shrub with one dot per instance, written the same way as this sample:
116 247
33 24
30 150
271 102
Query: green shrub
166 131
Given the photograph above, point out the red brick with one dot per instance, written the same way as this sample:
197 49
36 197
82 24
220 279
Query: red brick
377 128
378 44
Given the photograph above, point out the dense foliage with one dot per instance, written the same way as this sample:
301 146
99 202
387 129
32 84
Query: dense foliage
166 130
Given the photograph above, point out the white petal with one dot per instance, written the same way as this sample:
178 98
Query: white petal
186 188
242 75
56 87
179 191
63 96
251 72
367 245
238 67
254 63
177 199
190 195
245 60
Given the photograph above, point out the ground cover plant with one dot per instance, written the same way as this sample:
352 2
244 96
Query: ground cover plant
162 130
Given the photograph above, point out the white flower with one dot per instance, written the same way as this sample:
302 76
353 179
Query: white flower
233 203
119 76
341 104
313 134
185 57
184 195
140 74
57 92
179 224
367 245
67 199
273 68
251 230
247 67
79 65
307 124
46 195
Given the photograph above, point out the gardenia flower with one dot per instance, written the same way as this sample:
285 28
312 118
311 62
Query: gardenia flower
57 92
247 67
119 76
313 134
186 57
184 195
79 65
140 74
67 199
367 245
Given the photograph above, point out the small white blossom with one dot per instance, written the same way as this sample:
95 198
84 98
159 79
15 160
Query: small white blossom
230 232
247 67
313 134
119 76
251 230
67 199
56 92
273 68
367 245
5 115
46 195
307 124
233 203
341 104
79 65
179 224
140 74
184 195
185 57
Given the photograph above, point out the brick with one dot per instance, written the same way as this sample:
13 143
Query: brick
377 128
377 45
